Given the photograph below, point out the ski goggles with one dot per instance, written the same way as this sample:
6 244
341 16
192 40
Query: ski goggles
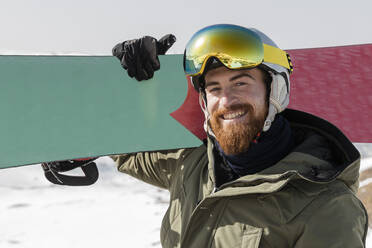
235 46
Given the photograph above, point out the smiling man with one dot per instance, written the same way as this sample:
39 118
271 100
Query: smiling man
238 105
266 176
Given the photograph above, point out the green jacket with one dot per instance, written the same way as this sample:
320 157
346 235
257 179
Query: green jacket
305 200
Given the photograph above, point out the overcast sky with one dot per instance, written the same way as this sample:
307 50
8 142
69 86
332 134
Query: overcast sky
94 26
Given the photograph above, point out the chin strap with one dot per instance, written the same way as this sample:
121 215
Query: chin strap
52 171
203 106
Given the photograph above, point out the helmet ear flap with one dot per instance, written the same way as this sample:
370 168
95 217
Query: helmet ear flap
267 79
279 98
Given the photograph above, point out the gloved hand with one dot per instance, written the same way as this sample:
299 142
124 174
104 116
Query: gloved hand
140 56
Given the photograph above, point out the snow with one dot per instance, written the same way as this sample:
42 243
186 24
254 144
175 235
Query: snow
365 182
117 211
365 150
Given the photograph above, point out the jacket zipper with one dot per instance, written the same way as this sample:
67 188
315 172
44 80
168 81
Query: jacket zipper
198 207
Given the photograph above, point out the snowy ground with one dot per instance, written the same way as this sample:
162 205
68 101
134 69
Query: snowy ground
117 211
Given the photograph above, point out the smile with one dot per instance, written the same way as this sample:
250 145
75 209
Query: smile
233 115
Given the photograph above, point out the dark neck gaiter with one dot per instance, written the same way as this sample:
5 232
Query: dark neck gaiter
272 146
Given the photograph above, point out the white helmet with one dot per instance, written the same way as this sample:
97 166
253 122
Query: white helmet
238 47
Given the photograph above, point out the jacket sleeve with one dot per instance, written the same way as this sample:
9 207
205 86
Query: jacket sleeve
339 222
157 168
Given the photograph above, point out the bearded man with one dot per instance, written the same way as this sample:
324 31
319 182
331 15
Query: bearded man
266 176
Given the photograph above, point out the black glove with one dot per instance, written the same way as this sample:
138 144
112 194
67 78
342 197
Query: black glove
140 56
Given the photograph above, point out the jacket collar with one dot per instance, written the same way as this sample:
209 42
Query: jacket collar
307 161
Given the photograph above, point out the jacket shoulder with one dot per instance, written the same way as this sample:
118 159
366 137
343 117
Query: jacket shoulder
193 160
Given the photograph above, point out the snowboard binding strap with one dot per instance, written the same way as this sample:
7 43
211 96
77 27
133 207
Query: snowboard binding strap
52 172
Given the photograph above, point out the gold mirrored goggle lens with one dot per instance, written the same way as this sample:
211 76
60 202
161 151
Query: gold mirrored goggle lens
236 47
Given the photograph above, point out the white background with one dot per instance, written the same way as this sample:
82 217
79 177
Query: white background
94 26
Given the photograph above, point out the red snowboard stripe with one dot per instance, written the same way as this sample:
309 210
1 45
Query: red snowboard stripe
333 83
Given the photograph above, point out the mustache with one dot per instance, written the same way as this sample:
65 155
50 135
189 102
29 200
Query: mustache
241 106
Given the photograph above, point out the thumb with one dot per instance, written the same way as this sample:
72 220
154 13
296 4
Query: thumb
117 51
165 43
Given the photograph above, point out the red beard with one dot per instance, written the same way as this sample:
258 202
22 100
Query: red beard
236 138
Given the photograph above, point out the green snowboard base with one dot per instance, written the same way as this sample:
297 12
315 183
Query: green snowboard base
64 107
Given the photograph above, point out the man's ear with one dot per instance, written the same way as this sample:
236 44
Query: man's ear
267 79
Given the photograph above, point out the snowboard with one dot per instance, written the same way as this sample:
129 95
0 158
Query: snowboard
56 108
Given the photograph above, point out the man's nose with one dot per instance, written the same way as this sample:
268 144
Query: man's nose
228 98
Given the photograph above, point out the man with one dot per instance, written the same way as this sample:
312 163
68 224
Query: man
265 177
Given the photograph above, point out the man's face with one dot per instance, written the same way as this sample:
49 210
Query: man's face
236 101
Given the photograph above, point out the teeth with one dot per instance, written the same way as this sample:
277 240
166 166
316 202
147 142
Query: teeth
233 115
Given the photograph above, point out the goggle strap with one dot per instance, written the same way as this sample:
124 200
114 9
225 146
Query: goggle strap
275 55
290 63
